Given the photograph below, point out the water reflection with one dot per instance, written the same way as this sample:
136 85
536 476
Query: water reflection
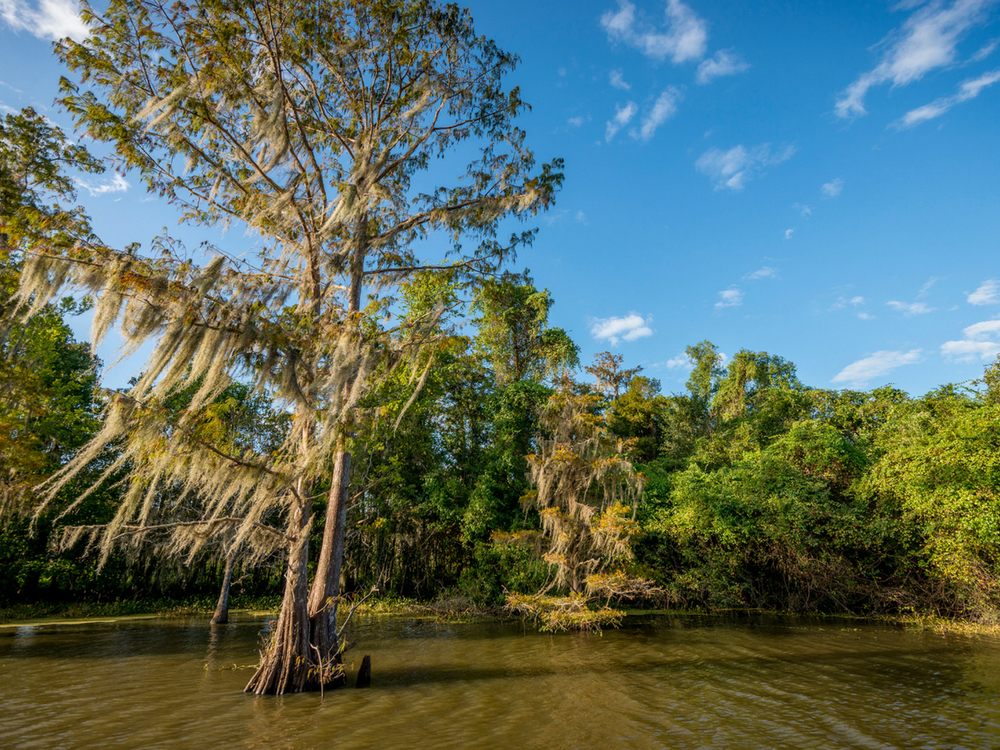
660 682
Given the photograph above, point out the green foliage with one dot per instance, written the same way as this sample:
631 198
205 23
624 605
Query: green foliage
940 467
514 336
636 415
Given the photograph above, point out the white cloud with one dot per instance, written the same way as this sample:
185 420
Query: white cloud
833 188
865 316
623 116
51 19
680 362
731 297
988 293
684 38
789 233
613 329
927 40
663 110
982 331
985 51
616 80
910 308
967 90
577 121
117 184
804 211
968 351
581 217
765 272
7 110
857 301
979 340
875 365
732 169
723 63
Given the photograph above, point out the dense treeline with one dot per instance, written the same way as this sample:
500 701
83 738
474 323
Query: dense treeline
460 452
758 492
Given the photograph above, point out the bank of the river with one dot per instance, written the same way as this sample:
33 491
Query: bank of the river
54 611
446 610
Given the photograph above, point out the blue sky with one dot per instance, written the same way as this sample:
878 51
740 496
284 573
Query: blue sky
818 180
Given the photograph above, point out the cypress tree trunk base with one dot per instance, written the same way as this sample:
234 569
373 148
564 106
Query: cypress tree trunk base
292 661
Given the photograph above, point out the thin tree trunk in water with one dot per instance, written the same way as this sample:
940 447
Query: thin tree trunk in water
221 616
326 585
288 664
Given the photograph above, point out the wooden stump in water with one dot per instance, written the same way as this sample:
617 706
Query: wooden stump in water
365 673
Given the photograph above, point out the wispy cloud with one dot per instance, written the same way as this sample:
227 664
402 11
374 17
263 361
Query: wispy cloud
985 51
927 40
789 233
804 211
663 109
865 316
616 80
117 184
581 217
49 19
722 63
732 169
875 365
843 302
731 297
910 308
988 293
967 90
578 121
765 272
683 36
633 326
927 287
623 115
980 340
832 188
679 362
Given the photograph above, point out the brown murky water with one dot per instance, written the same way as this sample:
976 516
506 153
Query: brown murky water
660 682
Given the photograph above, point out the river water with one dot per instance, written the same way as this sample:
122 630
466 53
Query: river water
658 682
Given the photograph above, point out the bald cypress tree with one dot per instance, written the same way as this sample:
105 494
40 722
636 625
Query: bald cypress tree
312 124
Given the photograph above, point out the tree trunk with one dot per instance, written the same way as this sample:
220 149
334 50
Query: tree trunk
326 585
289 664
221 616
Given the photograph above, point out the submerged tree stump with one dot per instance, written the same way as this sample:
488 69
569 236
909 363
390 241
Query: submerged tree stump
365 673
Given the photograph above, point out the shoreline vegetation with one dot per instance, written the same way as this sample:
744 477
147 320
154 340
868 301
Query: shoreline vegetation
450 610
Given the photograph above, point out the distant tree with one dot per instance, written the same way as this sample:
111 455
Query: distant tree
638 416
611 378
706 373
514 336
308 123
749 377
